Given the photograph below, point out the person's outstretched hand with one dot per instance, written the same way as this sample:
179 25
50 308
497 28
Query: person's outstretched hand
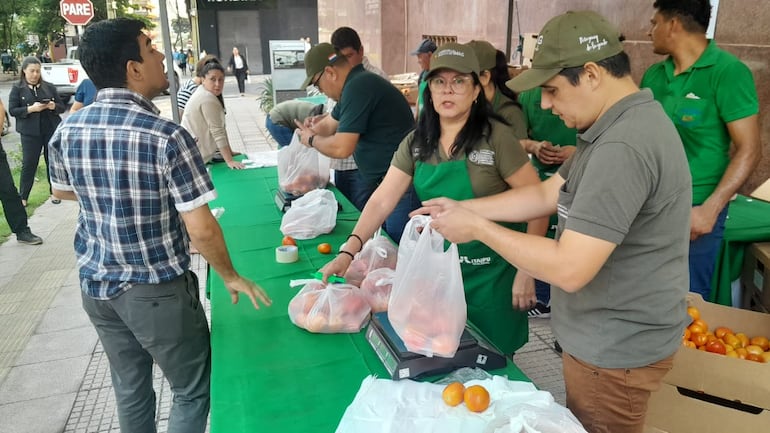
250 289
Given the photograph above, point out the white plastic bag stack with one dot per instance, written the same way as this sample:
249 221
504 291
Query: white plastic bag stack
311 215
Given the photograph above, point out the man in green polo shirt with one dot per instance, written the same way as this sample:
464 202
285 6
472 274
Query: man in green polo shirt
369 121
711 97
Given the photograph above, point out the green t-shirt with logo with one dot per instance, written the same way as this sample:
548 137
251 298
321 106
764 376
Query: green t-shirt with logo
544 125
373 108
716 90
496 157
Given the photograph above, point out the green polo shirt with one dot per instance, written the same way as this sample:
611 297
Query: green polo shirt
373 108
716 90
544 125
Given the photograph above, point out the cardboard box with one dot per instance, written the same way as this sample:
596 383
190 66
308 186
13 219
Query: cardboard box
762 192
710 393
671 411
756 277
729 378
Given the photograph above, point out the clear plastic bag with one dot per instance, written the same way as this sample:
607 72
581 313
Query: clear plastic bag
378 252
328 309
427 304
376 288
409 238
301 169
311 215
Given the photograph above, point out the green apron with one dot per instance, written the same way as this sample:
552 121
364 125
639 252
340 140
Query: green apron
487 277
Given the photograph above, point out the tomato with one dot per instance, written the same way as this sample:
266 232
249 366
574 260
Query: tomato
324 248
476 398
288 240
693 312
721 332
755 358
715 346
756 350
732 340
762 342
699 339
701 323
453 393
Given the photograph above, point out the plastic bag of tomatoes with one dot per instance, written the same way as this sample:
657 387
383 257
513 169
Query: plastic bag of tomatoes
328 308
378 252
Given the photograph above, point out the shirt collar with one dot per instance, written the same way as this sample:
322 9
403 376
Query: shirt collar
123 95
610 116
709 57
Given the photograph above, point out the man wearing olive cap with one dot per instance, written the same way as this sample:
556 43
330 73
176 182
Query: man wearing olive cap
369 121
623 205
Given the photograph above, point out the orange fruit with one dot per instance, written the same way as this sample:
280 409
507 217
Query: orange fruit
476 398
761 342
721 332
744 339
288 240
453 393
693 312
324 248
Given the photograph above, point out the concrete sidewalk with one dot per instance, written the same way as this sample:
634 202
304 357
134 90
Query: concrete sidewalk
54 376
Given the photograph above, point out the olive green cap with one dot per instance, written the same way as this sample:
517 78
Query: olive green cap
569 40
486 53
317 58
454 56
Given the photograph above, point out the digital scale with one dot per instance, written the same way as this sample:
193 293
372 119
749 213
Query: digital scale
473 351
283 199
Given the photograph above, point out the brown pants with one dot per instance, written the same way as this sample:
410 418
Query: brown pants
611 400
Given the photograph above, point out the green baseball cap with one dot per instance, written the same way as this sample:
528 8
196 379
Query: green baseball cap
486 53
569 40
317 58
454 56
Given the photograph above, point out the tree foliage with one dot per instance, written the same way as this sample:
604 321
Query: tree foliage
11 32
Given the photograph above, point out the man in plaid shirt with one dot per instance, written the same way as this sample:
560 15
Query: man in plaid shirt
143 189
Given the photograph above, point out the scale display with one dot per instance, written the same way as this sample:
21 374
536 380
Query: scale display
473 351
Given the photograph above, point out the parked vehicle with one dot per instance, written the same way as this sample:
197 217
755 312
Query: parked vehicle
66 74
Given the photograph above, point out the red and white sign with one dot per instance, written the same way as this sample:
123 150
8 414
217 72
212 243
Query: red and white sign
77 12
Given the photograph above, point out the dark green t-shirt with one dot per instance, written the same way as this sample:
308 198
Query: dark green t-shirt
716 90
375 109
512 113
544 125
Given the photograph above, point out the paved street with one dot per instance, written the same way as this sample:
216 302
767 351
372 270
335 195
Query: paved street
54 376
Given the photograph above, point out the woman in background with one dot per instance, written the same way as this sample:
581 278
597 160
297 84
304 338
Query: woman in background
238 66
204 116
188 88
36 105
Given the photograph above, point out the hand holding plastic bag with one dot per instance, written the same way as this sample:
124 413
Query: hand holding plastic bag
427 304
328 309
311 215
301 169
378 252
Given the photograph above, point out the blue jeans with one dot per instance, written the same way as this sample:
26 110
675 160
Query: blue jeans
351 185
703 257
543 292
281 134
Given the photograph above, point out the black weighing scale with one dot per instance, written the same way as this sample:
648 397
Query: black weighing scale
473 351
283 199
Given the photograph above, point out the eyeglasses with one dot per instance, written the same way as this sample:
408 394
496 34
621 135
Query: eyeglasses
315 83
459 84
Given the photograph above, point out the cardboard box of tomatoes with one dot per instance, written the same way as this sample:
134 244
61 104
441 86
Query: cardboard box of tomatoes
710 392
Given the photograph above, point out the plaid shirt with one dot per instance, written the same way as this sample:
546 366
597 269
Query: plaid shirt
133 172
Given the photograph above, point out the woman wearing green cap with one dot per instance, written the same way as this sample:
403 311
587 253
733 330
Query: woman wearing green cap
458 150
493 75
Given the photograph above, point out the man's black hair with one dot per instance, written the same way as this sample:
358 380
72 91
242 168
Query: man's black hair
618 66
694 14
106 47
345 37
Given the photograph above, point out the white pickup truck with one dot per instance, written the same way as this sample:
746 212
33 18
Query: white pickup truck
66 75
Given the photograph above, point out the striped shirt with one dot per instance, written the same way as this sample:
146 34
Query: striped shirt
133 173
184 93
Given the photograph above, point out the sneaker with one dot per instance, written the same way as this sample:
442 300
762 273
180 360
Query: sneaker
539 311
557 347
29 238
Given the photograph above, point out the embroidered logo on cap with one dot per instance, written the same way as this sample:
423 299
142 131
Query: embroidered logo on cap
592 43
450 52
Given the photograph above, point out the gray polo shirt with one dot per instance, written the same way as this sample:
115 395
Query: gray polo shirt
627 183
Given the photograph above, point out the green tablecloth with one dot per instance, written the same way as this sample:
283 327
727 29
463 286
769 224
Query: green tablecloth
748 221
267 374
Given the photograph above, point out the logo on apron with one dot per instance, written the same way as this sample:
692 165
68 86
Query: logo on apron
482 157
476 261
